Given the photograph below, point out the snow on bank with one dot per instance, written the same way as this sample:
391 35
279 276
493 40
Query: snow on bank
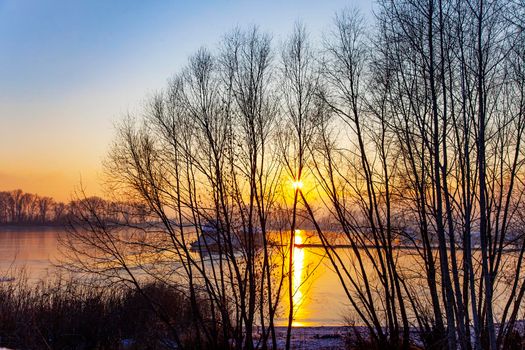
313 338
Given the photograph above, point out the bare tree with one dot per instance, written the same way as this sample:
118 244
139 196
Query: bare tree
411 141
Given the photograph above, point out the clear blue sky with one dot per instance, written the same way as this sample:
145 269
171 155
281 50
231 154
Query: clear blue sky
70 68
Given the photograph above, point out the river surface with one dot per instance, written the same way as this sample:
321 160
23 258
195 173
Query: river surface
32 249
320 299
320 296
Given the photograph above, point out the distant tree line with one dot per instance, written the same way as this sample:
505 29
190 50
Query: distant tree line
19 208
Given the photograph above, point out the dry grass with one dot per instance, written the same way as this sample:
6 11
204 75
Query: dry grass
63 314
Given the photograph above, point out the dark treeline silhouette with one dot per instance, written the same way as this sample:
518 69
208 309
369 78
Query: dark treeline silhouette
19 208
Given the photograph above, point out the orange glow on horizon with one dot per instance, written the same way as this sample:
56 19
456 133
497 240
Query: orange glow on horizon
60 184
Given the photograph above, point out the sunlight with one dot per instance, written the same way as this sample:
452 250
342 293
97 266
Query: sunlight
298 237
297 185
298 267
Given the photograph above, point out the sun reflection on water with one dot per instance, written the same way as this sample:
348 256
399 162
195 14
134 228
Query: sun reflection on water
298 271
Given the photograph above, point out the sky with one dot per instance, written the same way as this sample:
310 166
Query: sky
70 69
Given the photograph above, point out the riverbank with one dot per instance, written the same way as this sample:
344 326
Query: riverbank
314 338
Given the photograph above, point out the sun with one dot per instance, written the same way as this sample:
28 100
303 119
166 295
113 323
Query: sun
297 185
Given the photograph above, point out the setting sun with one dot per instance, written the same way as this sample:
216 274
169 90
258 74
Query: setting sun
297 185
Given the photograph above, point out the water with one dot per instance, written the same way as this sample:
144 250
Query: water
319 295
35 249
321 299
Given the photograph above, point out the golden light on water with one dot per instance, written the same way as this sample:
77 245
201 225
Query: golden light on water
298 237
298 270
